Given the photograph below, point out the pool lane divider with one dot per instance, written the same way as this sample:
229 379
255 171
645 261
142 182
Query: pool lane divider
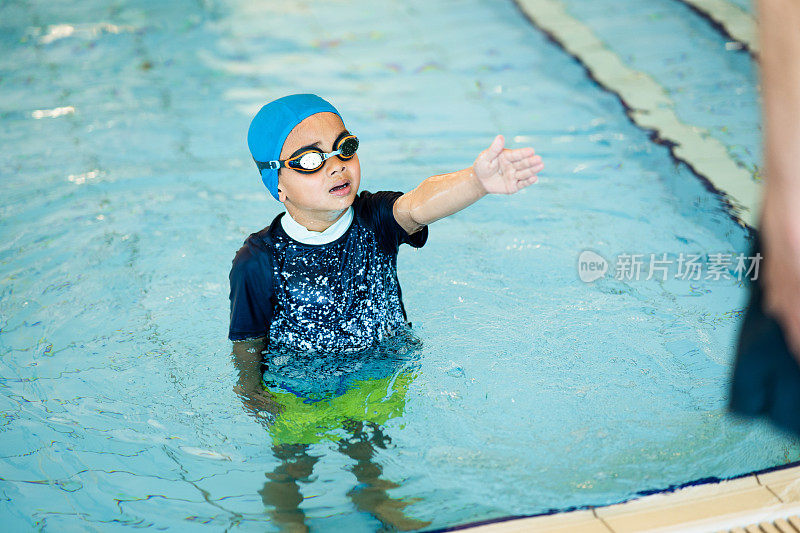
649 107
730 19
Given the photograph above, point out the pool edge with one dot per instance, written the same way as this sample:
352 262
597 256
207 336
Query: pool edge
707 504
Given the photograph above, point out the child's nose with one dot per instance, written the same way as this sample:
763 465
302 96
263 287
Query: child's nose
334 166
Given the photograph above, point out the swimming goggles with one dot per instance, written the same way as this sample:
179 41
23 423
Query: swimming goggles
312 160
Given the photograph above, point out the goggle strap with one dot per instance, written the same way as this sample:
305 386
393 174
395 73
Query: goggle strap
270 165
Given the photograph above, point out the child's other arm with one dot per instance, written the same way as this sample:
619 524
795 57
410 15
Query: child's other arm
495 171
247 356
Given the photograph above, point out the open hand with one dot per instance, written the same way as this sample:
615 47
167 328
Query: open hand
504 171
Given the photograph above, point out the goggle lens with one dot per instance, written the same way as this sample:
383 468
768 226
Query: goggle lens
313 160
348 147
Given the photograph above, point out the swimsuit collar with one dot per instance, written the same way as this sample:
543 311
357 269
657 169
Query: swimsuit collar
299 233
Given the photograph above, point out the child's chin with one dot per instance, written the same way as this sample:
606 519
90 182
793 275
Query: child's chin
347 201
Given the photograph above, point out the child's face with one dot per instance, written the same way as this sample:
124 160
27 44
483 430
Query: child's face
312 192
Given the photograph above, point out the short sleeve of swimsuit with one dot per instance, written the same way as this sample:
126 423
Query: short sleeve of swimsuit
377 209
251 291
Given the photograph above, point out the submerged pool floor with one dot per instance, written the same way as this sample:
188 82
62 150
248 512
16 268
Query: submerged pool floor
126 188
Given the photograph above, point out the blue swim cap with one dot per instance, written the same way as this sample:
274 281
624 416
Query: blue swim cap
273 123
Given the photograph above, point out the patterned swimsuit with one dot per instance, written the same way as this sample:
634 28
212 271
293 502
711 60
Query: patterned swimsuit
343 296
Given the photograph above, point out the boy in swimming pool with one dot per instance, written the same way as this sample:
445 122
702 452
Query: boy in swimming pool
323 275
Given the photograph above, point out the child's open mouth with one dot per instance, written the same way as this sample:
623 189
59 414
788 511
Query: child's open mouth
342 189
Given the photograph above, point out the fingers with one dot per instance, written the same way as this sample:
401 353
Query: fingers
524 183
518 154
490 155
494 150
526 168
521 158
506 171
497 146
527 162
529 175
510 155
526 174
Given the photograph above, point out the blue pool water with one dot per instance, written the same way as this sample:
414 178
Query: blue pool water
127 188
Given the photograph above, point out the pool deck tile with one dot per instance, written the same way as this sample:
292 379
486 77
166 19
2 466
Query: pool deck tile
784 483
783 526
687 505
766 527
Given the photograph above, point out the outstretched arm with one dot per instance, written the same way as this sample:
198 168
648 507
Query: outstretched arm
495 171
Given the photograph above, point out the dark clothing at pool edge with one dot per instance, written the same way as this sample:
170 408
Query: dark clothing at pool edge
766 376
